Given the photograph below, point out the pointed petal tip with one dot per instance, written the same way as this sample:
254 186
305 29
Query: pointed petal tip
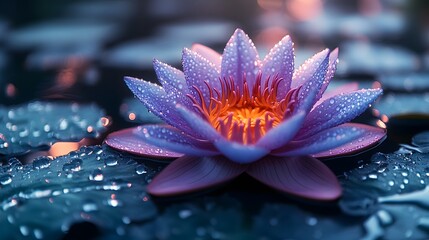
132 80
127 140
372 137
239 30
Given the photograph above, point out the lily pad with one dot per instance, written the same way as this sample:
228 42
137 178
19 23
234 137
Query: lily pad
95 184
331 24
403 104
206 218
55 58
421 140
62 33
365 58
38 125
384 175
166 45
392 190
420 143
406 82
283 221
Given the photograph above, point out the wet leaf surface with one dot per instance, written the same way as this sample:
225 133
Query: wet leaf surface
392 192
38 125
96 185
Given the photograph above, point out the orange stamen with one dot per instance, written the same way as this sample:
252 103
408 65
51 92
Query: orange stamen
246 117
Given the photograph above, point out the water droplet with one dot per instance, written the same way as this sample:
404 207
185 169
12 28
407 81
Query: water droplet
311 221
74 166
89 207
140 169
15 163
185 213
372 176
63 124
5 179
38 234
113 202
384 217
96 175
110 161
41 162
24 230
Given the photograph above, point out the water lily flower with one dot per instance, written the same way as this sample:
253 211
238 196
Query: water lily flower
233 113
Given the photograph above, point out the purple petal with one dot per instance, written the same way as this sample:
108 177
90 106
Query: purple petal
240 153
190 174
302 176
312 78
345 88
327 140
158 102
371 137
172 139
280 63
308 68
332 67
199 125
337 110
128 140
197 71
283 133
172 80
239 59
209 54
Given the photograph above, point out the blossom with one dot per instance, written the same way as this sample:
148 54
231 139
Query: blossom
233 113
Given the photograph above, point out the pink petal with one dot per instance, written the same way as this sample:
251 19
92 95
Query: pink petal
197 71
329 139
208 53
190 174
172 139
302 176
280 62
312 82
240 153
199 125
283 133
345 88
337 110
129 141
372 137
158 102
332 67
239 59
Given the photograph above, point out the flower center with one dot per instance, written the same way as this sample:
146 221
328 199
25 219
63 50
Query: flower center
244 117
